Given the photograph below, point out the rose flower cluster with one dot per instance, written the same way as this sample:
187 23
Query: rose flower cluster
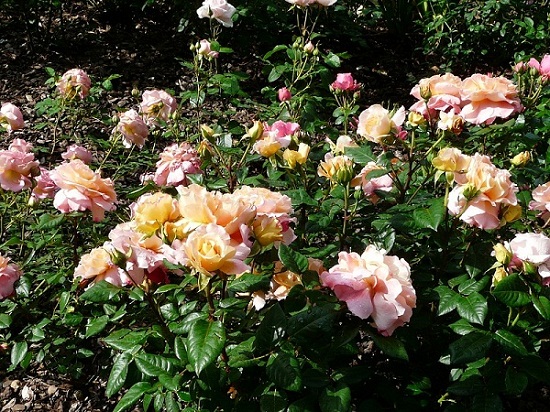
209 232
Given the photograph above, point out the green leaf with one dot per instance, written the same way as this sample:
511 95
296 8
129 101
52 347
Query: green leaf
332 60
131 397
470 347
249 283
361 155
515 381
125 339
18 352
473 308
5 320
293 261
536 367
472 285
205 343
273 402
486 402
542 305
272 328
275 73
284 371
307 325
448 299
337 399
118 374
462 327
510 342
96 325
242 355
100 292
179 350
391 346
171 404
155 365
512 291
431 217
301 197
47 221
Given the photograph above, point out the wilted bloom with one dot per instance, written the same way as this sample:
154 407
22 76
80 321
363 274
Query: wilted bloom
337 169
205 49
11 117
9 274
541 200
488 98
451 122
157 104
345 82
220 10
82 189
284 94
379 125
533 248
373 285
209 249
77 152
74 82
292 156
176 162
371 185
17 166
97 266
133 129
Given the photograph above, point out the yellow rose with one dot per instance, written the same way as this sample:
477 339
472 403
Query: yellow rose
292 156
451 159
153 210
267 230
338 169
521 159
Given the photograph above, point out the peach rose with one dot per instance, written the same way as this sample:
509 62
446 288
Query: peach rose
97 266
82 189
133 129
379 125
220 10
157 104
488 98
479 212
337 169
74 82
266 202
541 200
373 285
210 249
9 274
11 117
450 159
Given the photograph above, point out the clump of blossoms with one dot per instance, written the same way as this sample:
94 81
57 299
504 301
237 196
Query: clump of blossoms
157 105
526 252
82 189
275 137
219 10
9 274
484 196
11 117
17 166
73 83
373 285
177 161
478 99
209 232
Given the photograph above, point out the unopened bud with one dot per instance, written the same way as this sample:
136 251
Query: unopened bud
529 268
511 213
425 91
309 47
206 132
502 254
521 159
416 119
135 92
470 192
500 273
256 131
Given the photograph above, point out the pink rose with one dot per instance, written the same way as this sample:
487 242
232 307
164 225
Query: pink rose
345 82
133 129
9 274
45 187
11 117
488 98
437 93
478 212
373 285
17 165
157 104
205 49
533 248
541 200
82 189
78 152
176 162
275 137
545 66
371 185
284 94
220 10
74 82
